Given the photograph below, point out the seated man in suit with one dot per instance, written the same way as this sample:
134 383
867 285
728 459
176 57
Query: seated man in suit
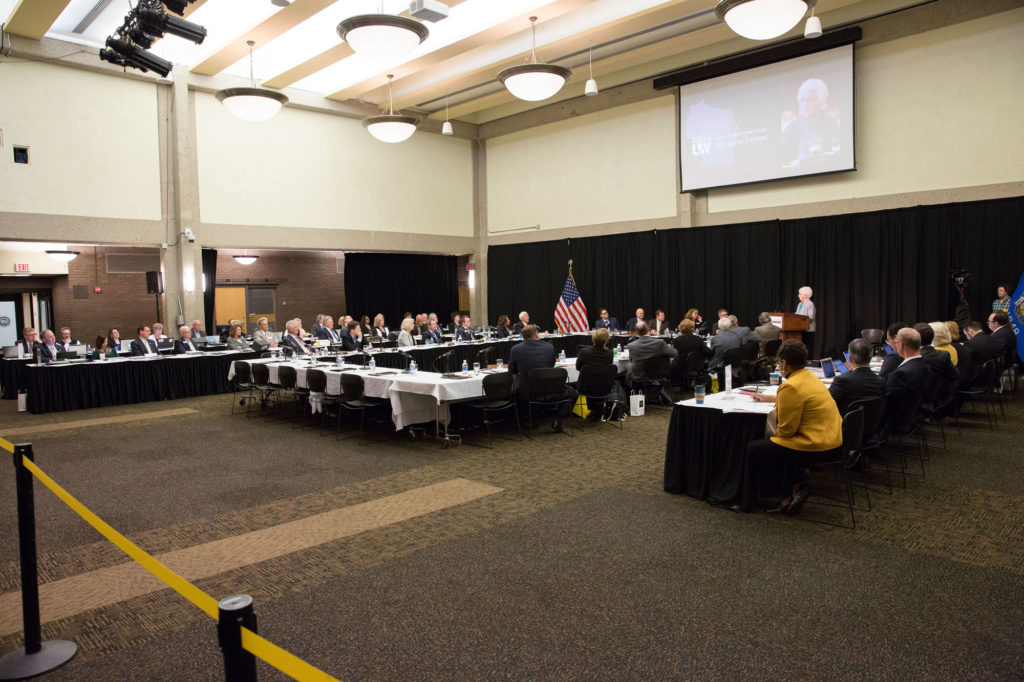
354 340
1002 332
766 331
533 354
48 348
944 374
144 345
980 347
722 342
860 383
291 338
327 331
263 338
906 385
431 334
65 340
642 349
524 319
658 324
315 331
605 321
745 333
465 331
184 343
197 331
632 322
892 360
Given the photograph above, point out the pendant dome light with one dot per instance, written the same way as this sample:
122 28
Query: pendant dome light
762 19
591 88
382 37
252 103
391 127
61 255
245 259
534 81
446 127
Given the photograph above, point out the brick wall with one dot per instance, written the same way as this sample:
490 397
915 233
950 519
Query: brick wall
307 282
123 302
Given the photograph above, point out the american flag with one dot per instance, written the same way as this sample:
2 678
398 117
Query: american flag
571 312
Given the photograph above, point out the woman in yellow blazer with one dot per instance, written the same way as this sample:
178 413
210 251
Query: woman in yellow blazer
809 426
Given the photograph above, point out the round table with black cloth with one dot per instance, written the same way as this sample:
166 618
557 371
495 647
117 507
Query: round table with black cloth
706 455
12 376
100 384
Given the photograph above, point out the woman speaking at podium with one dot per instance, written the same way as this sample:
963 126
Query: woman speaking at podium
806 307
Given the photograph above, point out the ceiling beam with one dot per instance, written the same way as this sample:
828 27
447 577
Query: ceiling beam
264 32
33 18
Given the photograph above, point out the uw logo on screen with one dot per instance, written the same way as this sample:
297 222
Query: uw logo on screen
700 146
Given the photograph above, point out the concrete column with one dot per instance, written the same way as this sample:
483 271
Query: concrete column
478 296
182 260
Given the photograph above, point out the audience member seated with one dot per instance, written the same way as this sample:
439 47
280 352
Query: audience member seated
720 343
236 340
318 325
524 319
292 339
379 328
892 360
1002 332
942 342
66 340
158 333
605 321
504 327
944 374
144 345
103 348
744 333
114 339
465 332
184 343
597 354
636 319
532 354
860 383
355 339
765 330
906 385
658 324
327 331
809 427
642 349
364 325
405 336
263 338
28 342
722 312
197 331
48 348
431 333
420 325
453 326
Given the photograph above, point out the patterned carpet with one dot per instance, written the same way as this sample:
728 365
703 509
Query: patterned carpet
550 558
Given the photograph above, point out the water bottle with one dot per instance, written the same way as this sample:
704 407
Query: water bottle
618 349
561 355
373 363
337 360
412 366
465 367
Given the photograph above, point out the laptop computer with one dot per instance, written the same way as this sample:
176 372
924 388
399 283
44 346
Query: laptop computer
213 338
828 368
75 348
10 352
840 367
125 346
66 355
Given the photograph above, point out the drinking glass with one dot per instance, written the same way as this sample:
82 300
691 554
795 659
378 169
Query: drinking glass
476 367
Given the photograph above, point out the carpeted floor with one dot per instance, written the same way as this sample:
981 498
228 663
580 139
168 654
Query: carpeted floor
551 558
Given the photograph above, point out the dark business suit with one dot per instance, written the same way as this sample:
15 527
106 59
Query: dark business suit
721 343
944 378
905 387
182 346
63 347
463 334
295 343
889 364
982 349
632 322
47 353
197 335
1004 339
349 342
611 324
686 344
328 334
503 332
27 349
590 355
641 350
859 384
431 336
139 347
531 355
517 328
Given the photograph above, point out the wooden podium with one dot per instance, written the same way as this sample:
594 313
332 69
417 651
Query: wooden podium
792 325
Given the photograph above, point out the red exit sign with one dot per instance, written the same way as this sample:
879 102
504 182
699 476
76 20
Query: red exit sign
22 267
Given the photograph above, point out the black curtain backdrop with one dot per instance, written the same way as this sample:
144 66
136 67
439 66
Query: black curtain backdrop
209 275
393 283
867 269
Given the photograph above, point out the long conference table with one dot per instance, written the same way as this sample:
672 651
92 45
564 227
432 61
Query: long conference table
75 385
416 397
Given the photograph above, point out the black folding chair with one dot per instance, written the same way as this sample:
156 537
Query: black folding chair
498 397
655 380
242 381
261 382
547 391
353 399
597 385
316 382
696 369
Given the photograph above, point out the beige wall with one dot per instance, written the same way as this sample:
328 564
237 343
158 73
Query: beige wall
93 143
314 170
610 166
936 110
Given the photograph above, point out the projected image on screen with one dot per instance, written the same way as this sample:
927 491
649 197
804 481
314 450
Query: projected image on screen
782 120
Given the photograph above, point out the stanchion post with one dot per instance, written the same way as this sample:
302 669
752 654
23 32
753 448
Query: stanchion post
37 656
235 612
